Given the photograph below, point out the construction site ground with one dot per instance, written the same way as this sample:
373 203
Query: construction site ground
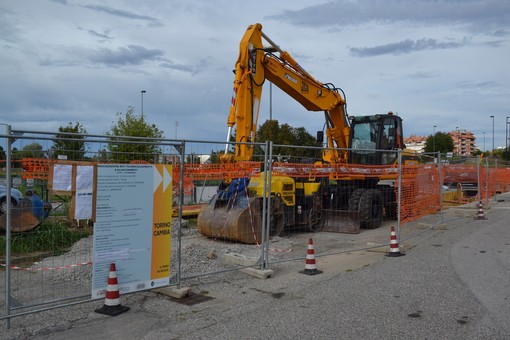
361 293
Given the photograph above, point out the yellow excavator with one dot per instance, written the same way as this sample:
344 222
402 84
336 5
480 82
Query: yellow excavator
235 213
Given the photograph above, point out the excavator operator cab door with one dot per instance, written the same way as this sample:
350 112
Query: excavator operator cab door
374 139
390 139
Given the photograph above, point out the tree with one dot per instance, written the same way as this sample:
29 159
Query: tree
506 154
74 150
441 141
132 125
287 135
33 150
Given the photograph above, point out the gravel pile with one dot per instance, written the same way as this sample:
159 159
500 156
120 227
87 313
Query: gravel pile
75 265
199 255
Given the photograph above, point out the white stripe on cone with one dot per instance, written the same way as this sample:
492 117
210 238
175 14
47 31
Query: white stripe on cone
393 242
310 257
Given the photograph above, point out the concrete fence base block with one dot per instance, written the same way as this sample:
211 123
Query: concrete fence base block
238 259
441 226
176 293
260 273
378 248
423 226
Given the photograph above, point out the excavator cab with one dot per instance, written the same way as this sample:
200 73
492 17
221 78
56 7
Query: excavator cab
374 139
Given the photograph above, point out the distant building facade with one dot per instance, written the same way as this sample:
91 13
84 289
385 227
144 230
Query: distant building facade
463 142
415 143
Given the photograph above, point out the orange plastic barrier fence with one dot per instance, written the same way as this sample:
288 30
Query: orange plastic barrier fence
201 172
502 180
420 192
420 183
36 168
335 171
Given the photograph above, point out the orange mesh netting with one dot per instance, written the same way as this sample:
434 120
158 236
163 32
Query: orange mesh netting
420 183
502 180
222 171
335 171
36 168
420 192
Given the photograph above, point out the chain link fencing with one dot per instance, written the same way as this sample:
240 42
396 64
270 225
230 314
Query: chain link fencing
226 216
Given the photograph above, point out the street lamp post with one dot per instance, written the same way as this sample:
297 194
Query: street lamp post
458 140
506 134
434 139
492 133
484 141
143 91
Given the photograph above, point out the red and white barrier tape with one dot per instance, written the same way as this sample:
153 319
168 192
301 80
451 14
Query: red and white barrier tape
281 250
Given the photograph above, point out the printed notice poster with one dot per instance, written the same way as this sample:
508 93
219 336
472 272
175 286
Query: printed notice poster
133 227
84 188
62 177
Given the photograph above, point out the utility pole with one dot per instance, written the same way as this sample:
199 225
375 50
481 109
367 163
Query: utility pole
458 140
434 139
506 134
143 91
492 133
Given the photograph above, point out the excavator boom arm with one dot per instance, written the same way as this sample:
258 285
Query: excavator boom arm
254 65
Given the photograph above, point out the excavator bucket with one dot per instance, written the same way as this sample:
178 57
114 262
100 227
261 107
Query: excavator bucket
236 220
22 218
341 221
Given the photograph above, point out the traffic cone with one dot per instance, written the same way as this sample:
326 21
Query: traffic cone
112 305
394 250
310 268
481 215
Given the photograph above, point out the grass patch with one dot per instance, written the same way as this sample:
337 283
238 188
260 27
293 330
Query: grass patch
47 237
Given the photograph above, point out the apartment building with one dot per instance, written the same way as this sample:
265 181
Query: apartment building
463 142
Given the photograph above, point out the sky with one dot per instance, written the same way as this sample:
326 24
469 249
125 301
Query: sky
440 63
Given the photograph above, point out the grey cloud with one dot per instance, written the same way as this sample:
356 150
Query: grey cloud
477 15
472 85
98 35
122 13
63 2
58 63
185 68
95 34
495 43
405 47
501 33
9 30
131 55
421 75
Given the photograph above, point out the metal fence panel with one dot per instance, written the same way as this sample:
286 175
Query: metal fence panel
227 215
48 248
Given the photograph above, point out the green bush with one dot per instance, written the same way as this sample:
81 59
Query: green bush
47 237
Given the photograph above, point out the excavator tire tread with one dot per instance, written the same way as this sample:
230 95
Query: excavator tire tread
371 209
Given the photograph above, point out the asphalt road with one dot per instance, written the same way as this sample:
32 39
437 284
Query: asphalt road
453 283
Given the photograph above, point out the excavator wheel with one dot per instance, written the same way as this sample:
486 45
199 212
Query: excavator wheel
354 199
371 209
316 216
277 224
277 219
